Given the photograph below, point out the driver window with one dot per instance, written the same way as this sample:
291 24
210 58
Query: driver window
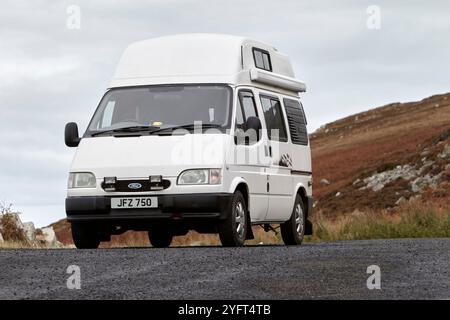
239 116
245 108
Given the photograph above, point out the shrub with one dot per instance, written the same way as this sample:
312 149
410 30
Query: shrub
10 228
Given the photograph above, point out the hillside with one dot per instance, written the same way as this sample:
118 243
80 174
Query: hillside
383 157
373 161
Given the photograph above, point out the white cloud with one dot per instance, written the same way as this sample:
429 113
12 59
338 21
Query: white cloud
24 69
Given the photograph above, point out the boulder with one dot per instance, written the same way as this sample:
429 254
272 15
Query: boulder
445 152
400 201
48 236
377 181
324 182
415 188
357 213
377 187
30 231
425 153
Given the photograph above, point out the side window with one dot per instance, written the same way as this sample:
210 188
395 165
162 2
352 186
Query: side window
262 59
239 116
273 115
297 121
245 108
248 104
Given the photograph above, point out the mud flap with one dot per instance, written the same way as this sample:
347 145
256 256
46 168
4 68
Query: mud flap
308 224
249 235
308 228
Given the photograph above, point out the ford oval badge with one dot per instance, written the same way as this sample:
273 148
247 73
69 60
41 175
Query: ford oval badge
135 186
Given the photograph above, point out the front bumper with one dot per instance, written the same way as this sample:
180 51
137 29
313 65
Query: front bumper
180 206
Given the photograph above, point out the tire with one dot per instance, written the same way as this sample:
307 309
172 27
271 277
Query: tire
161 238
85 236
293 230
233 230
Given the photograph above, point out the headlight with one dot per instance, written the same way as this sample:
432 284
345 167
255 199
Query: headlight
81 180
200 176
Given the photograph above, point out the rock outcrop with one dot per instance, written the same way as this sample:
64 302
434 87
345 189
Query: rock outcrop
47 236
13 230
30 231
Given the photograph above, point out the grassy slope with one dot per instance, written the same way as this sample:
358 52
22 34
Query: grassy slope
357 146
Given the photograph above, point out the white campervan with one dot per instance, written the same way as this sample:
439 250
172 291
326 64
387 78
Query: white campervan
195 132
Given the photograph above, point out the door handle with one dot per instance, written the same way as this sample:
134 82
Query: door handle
267 147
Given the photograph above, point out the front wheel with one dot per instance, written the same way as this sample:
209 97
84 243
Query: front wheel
85 236
293 230
233 230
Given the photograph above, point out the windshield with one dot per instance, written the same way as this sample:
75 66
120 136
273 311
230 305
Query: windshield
163 106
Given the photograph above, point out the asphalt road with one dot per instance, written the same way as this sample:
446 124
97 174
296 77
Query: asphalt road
410 269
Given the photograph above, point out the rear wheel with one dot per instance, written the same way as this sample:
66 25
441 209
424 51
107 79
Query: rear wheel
160 238
233 230
293 230
85 236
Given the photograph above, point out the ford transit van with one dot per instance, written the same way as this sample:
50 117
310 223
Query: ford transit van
200 132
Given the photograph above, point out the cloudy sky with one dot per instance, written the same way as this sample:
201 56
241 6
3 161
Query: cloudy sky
51 74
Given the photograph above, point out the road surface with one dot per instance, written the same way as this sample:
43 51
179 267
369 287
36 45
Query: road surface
409 269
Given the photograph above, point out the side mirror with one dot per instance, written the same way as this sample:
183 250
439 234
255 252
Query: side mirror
71 136
253 128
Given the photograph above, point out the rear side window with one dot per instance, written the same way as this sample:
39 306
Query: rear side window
274 119
297 121
262 59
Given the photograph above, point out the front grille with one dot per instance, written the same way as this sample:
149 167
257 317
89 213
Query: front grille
145 185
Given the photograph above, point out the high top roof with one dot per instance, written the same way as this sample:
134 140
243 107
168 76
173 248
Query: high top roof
194 58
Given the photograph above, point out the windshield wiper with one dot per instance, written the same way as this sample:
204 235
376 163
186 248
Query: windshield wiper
127 129
155 129
191 126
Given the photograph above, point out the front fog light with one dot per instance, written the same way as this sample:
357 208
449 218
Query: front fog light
110 180
155 179
109 183
81 180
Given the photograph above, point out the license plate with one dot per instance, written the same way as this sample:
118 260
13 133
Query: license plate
134 203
